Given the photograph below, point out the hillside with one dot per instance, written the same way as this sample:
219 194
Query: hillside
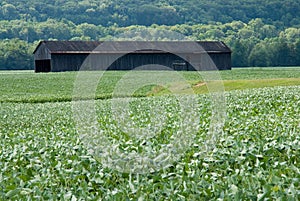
161 12
259 33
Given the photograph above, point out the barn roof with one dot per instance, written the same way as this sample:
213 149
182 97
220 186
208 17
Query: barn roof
69 47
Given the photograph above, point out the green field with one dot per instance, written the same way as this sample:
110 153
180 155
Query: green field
18 86
255 157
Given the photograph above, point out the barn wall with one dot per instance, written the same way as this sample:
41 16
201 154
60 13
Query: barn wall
209 61
116 61
42 53
133 60
221 60
67 62
76 57
42 65
73 62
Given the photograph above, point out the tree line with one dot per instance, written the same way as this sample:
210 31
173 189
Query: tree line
145 12
260 33
255 43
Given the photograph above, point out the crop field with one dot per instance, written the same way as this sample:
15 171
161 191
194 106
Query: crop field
255 155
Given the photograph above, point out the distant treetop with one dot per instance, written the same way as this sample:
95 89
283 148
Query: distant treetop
160 12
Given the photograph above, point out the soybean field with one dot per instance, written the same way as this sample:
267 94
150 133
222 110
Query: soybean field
252 151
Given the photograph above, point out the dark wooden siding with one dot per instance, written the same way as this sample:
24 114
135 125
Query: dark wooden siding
42 65
221 60
42 53
134 60
67 62
73 62
71 55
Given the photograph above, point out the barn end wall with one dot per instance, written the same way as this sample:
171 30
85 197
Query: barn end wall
42 53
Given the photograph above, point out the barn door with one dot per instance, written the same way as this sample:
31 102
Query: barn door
179 65
42 65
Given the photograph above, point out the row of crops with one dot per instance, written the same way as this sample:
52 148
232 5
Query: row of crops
256 155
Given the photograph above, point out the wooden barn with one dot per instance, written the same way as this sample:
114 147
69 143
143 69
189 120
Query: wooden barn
55 56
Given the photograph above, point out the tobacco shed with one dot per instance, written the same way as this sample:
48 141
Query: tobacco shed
56 56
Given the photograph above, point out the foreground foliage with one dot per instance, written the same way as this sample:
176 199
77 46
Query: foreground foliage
257 157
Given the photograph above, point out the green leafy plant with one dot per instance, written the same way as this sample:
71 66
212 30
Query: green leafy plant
256 157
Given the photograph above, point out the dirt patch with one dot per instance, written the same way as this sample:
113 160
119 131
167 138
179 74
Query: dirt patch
200 84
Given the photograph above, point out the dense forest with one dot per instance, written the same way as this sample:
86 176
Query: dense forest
148 12
260 33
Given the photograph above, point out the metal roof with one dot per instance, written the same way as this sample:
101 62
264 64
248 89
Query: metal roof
78 47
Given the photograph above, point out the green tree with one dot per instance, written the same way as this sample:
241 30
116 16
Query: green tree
290 34
90 31
280 52
9 12
296 53
16 55
239 53
259 55
53 29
